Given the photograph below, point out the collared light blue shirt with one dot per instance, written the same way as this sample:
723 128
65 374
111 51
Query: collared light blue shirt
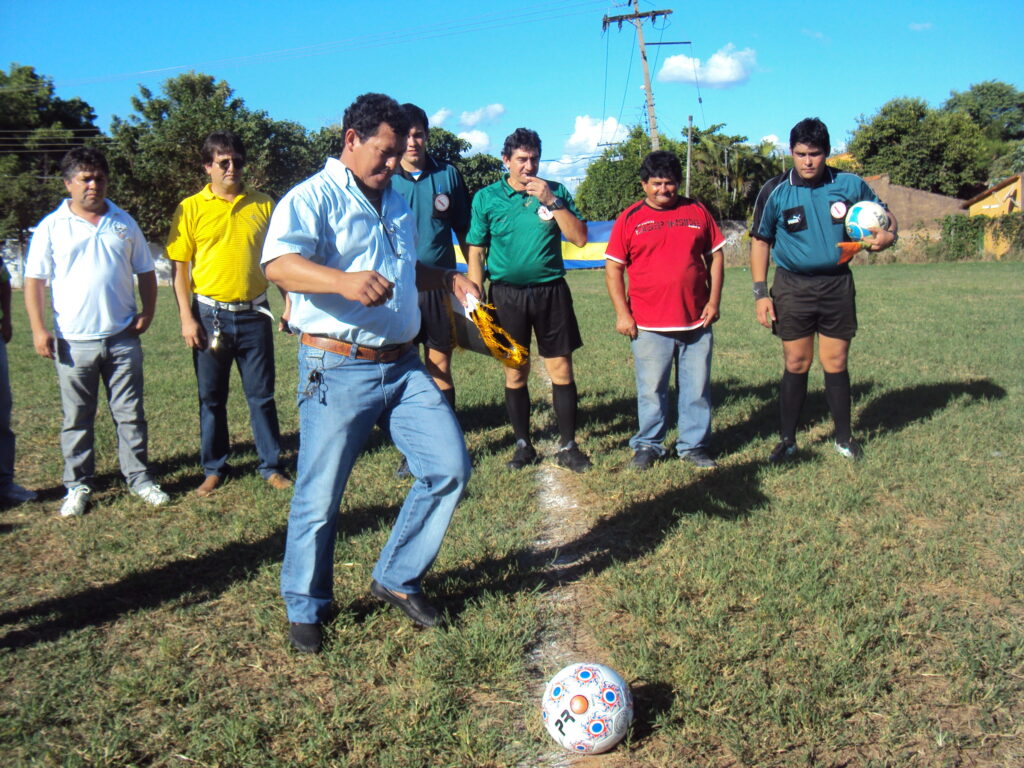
328 220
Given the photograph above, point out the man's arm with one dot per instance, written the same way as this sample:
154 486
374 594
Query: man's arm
147 293
573 229
760 252
191 330
883 238
432 279
711 311
35 299
297 274
475 264
6 329
615 282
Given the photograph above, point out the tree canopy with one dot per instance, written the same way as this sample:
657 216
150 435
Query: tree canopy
477 170
36 129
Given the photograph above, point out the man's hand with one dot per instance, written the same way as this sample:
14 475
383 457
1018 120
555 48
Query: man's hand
880 239
710 314
141 323
286 314
462 287
193 333
369 288
626 325
765 309
539 188
43 342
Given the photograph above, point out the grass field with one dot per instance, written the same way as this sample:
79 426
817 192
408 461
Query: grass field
817 614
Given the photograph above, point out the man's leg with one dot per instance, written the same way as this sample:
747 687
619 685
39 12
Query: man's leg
797 355
122 374
213 372
653 357
339 402
426 431
6 433
833 354
78 377
254 355
693 377
439 366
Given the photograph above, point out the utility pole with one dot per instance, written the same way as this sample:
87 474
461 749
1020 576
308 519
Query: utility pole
689 141
636 18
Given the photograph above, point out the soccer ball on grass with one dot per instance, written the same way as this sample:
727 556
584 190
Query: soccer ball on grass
587 708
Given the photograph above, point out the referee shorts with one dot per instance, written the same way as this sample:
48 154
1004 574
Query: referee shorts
809 304
435 321
544 308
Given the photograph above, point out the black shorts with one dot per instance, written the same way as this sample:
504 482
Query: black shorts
809 304
435 321
546 308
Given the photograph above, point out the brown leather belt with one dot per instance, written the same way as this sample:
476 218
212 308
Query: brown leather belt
381 355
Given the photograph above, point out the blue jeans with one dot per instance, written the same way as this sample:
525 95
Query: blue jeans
655 354
246 339
340 401
81 365
6 434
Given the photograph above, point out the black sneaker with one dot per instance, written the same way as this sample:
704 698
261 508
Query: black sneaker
571 457
783 451
850 450
306 638
697 458
523 455
644 458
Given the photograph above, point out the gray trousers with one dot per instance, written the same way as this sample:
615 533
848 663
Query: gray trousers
81 365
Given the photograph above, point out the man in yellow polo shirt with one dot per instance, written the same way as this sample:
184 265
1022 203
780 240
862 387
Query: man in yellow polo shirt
215 244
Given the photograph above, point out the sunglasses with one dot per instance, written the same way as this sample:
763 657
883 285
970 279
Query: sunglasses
227 162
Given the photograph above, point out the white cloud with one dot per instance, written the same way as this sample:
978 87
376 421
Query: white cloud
440 116
568 169
727 67
920 26
481 141
814 34
484 115
590 133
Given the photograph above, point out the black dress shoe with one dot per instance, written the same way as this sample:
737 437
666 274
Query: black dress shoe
415 606
305 637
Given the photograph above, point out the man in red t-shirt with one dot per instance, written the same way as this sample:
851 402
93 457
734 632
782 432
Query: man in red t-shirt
669 248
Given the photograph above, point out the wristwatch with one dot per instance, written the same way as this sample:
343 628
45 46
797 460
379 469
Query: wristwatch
556 205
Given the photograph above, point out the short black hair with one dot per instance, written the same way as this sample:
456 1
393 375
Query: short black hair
223 143
368 111
83 159
416 116
661 164
520 138
812 132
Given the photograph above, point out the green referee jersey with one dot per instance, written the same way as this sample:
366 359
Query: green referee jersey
522 247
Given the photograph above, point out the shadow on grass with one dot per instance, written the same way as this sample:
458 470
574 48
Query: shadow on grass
629 534
895 410
194 580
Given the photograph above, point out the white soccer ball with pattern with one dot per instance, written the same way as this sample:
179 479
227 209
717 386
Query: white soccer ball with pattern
864 216
587 708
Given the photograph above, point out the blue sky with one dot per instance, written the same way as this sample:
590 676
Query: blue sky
483 69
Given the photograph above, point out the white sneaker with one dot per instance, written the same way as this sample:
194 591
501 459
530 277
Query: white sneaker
76 501
152 494
15 494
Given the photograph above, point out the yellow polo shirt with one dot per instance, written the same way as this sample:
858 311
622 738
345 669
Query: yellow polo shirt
223 241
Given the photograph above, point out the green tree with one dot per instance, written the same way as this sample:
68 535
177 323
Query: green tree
36 130
446 146
935 150
997 107
155 155
477 170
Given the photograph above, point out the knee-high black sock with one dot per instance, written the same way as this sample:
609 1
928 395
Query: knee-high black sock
837 395
517 402
792 393
449 395
564 399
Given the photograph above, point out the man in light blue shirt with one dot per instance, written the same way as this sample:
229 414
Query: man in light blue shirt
342 243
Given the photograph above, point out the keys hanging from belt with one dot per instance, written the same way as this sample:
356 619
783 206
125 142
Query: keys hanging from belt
215 341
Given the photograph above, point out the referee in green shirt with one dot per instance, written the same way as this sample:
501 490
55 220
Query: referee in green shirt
517 227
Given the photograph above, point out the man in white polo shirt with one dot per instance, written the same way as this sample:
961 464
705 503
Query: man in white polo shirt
89 250
342 243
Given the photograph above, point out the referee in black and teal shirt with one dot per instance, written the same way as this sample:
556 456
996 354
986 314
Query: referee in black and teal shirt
799 218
